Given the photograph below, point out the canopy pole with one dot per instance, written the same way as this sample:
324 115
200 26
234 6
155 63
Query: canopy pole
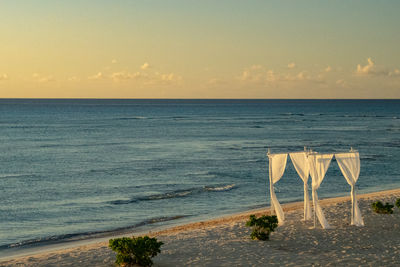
313 197
270 185
314 209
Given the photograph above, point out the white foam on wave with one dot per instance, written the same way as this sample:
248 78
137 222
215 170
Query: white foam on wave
221 188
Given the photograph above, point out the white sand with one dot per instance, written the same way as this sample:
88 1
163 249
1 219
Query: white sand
226 241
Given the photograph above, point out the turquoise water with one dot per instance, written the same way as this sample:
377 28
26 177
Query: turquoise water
75 168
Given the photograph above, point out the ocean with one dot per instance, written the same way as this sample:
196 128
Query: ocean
73 169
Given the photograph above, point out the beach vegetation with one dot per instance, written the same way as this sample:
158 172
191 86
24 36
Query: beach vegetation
398 203
262 226
135 251
378 207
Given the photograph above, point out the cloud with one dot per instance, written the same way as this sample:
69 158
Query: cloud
291 65
394 73
119 76
146 75
42 78
262 75
371 69
97 76
367 69
114 61
256 73
301 76
270 76
123 75
170 77
145 66
73 79
3 77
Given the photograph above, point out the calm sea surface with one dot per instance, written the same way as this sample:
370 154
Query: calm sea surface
74 168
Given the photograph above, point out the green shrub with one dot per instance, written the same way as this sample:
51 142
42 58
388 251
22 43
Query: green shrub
378 207
131 251
262 226
398 203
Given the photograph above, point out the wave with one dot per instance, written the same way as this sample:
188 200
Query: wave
86 235
17 176
132 118
83 145
220 188
291 114
176 194
363 116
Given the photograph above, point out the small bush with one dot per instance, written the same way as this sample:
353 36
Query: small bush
378 207
262 226
131 251
398 203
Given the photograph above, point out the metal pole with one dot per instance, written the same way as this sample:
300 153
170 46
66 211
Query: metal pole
270 184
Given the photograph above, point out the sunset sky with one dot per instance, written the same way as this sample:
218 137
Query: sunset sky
199 49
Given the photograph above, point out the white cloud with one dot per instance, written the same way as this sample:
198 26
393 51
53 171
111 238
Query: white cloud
262 75
146 76
123 75
270 76
256 73
371 69
301 76
119 76
97 76
367 69
3 77
170 77
374 70
145 66
46 79
42 78
73 79
395 72
291 65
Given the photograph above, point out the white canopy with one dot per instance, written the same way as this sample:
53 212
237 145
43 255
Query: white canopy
300 163
277 164
319 164
349 164
315 165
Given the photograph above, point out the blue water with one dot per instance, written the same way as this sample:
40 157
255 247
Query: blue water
73 168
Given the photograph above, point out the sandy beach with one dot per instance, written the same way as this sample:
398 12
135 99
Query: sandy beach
225 241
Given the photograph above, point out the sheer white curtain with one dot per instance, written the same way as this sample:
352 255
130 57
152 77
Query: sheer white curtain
300 162
319 164
277 164
349 164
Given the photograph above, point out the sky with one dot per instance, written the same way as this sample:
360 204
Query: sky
199 49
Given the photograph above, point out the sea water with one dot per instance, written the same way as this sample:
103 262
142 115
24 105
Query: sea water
77 168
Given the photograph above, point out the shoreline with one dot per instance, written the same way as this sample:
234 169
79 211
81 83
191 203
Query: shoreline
78 239
44 252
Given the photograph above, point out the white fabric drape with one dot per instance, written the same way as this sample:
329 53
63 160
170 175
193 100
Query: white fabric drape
300 162
277 164
349 164
319 164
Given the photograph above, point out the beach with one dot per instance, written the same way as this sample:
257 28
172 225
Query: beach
226 241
